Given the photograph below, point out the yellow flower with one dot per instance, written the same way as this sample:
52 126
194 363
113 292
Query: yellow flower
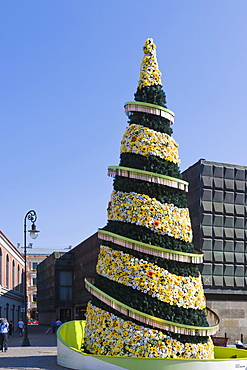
149 142
134 207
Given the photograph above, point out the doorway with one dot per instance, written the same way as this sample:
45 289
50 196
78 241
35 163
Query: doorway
65 314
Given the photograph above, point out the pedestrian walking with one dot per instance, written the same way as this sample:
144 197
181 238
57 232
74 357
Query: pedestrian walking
10 328
4 328
21 327
58 323
53 325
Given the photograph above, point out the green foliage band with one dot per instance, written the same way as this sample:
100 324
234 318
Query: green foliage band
160 192
151 279
150 249
151 94
148 319
151 164
145 235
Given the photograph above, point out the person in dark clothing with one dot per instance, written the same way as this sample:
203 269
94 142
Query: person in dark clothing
10 328
53 325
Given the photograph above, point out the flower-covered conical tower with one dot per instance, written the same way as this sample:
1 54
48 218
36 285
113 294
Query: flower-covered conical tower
148 297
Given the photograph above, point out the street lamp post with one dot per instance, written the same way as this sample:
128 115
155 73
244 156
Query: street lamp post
32 216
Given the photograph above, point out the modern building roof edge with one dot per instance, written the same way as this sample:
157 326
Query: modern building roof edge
223 164
194 164
204 161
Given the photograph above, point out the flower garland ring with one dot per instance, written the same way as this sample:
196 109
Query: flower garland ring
108 334
150 279
138 139
140 209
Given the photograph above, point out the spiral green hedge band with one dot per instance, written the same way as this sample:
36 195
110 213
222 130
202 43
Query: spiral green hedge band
151 320
169 254
133 106
134 173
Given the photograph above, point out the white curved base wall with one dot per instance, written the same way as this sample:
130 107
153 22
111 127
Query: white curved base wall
73 358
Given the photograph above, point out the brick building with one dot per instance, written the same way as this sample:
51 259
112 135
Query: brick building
60 280
34 256
11 280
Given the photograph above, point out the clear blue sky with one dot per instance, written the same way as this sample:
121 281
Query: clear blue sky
66 70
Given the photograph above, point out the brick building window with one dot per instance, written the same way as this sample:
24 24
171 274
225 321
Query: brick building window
18 279
7 271
22 281
65 289
13 274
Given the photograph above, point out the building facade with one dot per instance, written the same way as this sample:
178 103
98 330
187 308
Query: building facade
11 281
218 209
85 256
33 257
55 276
60 279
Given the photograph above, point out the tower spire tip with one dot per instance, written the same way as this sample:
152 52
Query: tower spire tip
149 73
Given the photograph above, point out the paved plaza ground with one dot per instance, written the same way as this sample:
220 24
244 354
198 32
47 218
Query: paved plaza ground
41 355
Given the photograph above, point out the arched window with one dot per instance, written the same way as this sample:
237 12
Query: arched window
22 281
13 275
7 271
18 280
1 266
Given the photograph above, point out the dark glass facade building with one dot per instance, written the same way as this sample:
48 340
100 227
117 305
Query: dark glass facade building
218 209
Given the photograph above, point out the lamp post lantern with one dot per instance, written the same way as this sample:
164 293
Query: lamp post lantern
31 216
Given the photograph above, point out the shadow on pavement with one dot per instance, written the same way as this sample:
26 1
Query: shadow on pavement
40 355
29 362
37 336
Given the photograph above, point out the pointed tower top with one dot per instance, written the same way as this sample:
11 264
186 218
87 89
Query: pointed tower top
149 74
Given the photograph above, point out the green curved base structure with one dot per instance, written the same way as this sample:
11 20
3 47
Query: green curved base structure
69 354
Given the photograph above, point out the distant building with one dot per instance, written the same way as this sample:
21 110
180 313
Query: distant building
218 209
34 257
55 287
60 281
11 280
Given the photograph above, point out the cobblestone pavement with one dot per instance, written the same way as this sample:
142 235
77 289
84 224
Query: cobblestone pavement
41 355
